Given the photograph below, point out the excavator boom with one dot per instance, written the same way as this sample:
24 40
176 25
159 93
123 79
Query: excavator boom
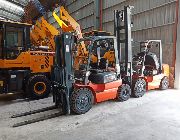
72 24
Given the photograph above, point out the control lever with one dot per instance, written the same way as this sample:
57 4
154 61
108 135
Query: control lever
98 55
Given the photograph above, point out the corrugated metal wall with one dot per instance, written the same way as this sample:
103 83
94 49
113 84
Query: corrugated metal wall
153 19
82 11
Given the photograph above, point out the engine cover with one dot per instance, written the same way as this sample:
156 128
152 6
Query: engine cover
102 77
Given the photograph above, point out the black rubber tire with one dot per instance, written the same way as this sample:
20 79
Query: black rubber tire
33 80
81 101
124 93
164 83
139 88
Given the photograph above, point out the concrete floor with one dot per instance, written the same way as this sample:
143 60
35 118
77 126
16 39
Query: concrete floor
156 116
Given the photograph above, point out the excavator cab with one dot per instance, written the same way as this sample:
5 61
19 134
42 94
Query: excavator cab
22 70
14 39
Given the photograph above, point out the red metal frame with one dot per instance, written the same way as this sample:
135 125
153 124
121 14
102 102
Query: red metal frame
153 82
102 92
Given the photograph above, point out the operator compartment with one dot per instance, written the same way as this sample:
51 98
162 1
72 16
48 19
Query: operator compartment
99 66
147 61
14 39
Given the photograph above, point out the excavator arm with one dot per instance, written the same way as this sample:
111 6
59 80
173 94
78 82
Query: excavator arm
43 33
71 26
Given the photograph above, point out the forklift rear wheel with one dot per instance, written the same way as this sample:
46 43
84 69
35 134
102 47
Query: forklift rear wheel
38 87
139 88
124 93
164 83
81 100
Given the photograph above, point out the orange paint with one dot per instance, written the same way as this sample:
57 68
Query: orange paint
36 61
153 82
103 92
166 70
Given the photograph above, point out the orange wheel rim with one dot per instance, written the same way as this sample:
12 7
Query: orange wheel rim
40 87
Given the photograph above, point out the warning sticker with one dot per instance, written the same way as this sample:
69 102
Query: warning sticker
67 48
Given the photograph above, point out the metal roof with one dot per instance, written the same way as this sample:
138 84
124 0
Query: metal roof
24 10
12 9
13 22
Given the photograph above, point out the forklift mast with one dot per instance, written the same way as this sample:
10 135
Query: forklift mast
71 26
62 71
122 25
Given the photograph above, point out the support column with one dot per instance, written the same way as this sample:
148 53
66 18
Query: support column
177 65
98 14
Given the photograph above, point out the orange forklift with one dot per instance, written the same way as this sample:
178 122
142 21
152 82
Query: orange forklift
148 70
97 78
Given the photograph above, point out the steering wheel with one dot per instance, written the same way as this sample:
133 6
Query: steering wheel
149 67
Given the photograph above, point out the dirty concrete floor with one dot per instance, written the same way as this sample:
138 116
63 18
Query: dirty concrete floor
156 116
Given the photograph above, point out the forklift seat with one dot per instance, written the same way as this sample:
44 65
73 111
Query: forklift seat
103 63
102 77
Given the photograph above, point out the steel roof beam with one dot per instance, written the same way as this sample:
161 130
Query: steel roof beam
8 18
16 3
3 9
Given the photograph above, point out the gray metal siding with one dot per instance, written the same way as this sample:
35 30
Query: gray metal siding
81 11
153 19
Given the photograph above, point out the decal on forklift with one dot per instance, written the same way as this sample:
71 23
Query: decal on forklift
67 48
47 61
13 76
42 54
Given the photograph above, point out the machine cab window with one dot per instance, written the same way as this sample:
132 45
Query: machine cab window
14 42
98 54
103 53
98 57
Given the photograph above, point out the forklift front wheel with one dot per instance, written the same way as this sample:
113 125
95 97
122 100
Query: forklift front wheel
139 88
81 100
124 93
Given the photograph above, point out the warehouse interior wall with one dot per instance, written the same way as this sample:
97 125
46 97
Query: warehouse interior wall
177 65
152 19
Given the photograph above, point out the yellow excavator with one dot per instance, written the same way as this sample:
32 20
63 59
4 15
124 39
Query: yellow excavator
44 33
26 54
